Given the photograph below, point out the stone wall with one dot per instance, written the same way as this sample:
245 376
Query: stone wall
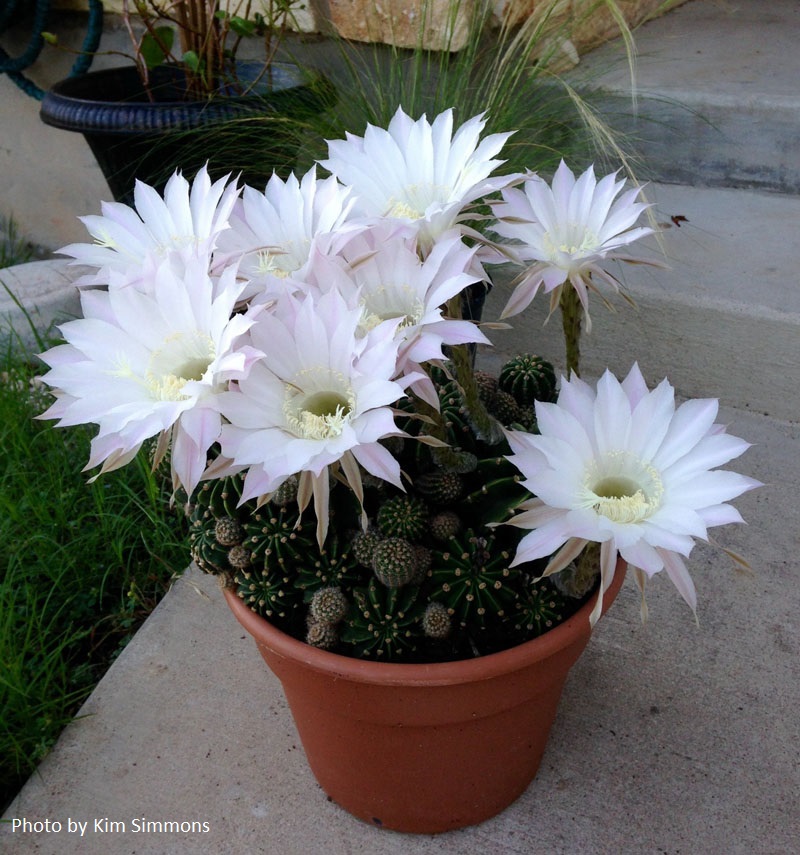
443 24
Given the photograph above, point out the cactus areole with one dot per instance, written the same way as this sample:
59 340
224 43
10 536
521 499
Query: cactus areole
424 748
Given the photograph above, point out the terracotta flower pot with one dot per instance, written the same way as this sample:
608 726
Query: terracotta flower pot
424 748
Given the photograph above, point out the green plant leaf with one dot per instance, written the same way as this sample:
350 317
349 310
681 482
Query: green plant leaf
242 27
192 61
156 46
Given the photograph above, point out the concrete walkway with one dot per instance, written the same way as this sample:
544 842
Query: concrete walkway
671 738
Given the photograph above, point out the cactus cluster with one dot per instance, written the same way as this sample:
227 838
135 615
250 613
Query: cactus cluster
429 577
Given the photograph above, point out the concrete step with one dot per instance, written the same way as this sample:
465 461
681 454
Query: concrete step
670 737
722 321
718 102
38 294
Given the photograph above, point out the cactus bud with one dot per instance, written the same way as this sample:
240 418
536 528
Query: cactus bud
363 546
436 621
322 635
239 557
286 493
445 525
228 532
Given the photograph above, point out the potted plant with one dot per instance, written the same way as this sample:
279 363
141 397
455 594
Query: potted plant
394 525
145 119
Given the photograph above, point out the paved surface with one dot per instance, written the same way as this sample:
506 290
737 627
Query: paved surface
39 293
671 738
718 101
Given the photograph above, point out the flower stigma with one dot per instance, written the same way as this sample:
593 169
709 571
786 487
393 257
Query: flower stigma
320 414
183 357
574 240
622 488
281 261
382 304
415 201
176 242
104 238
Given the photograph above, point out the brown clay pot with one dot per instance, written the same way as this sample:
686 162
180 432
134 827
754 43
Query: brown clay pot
424 748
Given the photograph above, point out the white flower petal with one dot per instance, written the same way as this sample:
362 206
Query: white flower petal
619 465
565 229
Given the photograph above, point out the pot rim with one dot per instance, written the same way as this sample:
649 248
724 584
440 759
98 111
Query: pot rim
294 76
428 674
77 103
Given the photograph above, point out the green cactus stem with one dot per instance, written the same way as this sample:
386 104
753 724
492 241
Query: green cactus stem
473 579
385 622
274 538
540 608
221 496
484 425
269 594
571 318
528 378
214 523
403 516
332 566
206 552
496 498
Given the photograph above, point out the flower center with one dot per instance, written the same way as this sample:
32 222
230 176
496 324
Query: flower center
415 200
183 356
573 240
320 413
383 304
281 261
622 488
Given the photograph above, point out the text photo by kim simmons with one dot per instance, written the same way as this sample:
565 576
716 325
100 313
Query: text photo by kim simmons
105 825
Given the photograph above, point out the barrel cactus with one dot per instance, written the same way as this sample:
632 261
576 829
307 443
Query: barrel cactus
419 574
394 561
328 605
528 378
403 516
386 623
